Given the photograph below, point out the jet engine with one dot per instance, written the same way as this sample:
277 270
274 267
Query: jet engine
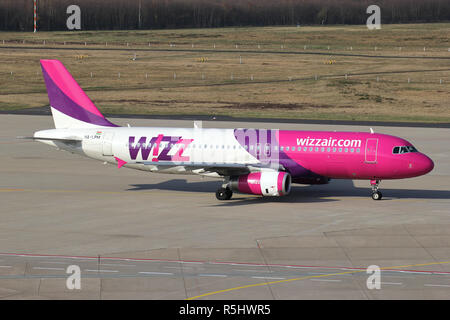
266 183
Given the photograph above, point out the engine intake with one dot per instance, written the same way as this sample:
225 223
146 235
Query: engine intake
271 184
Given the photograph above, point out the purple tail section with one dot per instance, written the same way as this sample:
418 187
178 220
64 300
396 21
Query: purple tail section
66 96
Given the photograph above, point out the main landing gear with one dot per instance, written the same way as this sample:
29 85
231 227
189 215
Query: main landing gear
224 194
376 195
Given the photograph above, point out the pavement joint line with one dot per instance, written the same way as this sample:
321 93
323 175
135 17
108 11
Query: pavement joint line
305 278
30 255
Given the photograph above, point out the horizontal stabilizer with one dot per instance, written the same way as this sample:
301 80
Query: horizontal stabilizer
68 140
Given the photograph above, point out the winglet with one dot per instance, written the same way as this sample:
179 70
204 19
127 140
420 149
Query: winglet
120 162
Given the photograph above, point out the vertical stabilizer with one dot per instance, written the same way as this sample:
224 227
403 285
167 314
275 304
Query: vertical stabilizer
71 107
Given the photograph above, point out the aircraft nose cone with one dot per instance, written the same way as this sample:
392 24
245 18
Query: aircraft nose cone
424 164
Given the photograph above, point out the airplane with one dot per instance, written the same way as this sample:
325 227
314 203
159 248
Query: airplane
263 162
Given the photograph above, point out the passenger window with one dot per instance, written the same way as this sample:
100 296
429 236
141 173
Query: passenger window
358 150
305 148
352 150
267 149
346 150
287 148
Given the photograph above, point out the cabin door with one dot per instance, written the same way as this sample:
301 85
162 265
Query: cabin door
371 150
107 144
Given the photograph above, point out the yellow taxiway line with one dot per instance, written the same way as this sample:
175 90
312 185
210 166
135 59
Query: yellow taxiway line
305 278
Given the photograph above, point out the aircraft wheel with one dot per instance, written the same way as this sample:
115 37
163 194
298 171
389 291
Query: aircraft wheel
377 195
224 194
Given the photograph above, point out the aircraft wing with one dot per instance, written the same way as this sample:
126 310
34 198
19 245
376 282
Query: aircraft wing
206 168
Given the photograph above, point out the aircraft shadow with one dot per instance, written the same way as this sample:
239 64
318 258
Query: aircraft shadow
179 185
299 193
346 188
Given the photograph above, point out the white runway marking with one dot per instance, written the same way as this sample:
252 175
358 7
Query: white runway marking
393 283
326 280
270 278
244 270
100 270
40 268
212 275
437 285
118 265
5 266
156 273
347 275
53 262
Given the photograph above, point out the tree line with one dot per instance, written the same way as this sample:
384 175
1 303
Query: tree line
17 15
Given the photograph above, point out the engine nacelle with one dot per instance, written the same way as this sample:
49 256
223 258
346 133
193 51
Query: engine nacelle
271 184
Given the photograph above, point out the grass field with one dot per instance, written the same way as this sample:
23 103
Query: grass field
398 73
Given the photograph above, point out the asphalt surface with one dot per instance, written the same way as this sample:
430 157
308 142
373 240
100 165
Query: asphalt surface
137 235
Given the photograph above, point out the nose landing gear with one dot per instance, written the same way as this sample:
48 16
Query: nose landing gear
376 195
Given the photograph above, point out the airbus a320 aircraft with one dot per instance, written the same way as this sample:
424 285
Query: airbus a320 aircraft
252 161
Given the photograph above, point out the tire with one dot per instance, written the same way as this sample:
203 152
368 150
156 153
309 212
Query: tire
377 195
224 194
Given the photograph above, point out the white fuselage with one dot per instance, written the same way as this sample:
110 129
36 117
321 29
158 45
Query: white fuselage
181 146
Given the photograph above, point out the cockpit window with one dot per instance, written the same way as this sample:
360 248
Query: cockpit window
403 149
